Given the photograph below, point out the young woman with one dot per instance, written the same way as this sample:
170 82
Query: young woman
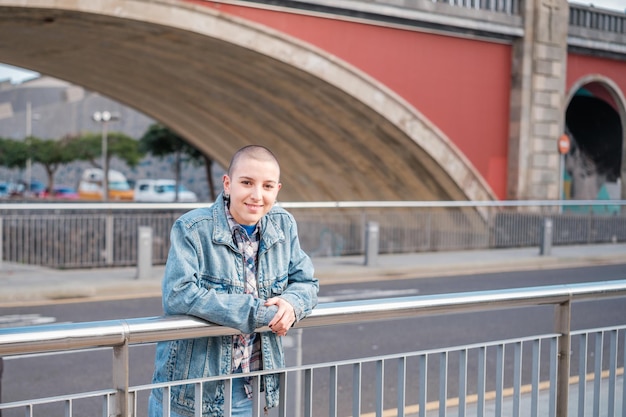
237 263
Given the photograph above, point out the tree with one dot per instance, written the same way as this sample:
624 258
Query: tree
51 154
160 141
13 153
88 147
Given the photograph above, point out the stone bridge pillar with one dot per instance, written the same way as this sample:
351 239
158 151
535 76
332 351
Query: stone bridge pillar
538 101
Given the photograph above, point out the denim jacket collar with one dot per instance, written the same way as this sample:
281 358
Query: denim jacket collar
270 232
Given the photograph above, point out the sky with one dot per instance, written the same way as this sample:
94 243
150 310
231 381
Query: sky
17 75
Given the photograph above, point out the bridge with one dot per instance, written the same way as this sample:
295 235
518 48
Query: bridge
382 100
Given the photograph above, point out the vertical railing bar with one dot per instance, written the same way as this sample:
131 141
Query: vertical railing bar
1 240
563 317
380 387
69 245
624 377
45 232
133 396
105 405
597 372
167 401
582 374
534 402
55 255
41 236
443 383
481 387
197 412
517 378
401 385
499 378
423 384
332 392
462 381
121 370
308 392
282 407
553 376
612 372
356 389
68 407
228 397
256 397
28 412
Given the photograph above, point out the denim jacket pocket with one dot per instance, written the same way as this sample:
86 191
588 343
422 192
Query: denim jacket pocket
278 286
220 285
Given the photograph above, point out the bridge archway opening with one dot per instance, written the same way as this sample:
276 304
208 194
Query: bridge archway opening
222 83
594 120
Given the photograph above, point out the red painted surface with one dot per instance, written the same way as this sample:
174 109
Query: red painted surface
462 86
579 66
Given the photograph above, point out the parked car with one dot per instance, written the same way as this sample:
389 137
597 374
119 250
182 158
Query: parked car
64 192
162 191
36 188
4 189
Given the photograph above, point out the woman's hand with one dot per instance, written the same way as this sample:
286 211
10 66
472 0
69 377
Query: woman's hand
284 317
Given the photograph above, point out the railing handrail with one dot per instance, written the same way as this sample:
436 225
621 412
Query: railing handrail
314 204
112 333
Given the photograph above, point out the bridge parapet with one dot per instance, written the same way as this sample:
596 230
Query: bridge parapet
597 29
502 17
490 18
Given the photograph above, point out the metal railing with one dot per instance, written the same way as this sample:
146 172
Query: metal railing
100 235
558 374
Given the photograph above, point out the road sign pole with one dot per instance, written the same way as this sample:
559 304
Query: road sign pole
563 145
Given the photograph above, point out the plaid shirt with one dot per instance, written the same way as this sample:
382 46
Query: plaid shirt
246 347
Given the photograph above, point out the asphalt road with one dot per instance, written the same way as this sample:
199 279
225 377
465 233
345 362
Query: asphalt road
49 375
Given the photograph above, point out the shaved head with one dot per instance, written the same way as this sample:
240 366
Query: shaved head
256 152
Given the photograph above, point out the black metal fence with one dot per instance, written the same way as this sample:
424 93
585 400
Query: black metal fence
72 236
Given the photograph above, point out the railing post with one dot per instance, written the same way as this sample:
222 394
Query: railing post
545 247
121 370
108 240
563 316
144 252
371 243
120 382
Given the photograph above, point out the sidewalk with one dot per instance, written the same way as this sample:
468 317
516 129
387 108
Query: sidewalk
26 284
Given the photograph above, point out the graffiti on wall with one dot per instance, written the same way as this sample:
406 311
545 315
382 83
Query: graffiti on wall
593 163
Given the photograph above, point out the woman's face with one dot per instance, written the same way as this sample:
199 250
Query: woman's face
253 187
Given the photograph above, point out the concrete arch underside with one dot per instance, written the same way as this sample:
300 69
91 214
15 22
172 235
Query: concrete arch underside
223 83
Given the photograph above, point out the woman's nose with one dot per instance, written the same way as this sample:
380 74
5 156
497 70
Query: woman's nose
257 193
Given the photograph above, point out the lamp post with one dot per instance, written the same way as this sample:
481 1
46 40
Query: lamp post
29 129
105 117
29 132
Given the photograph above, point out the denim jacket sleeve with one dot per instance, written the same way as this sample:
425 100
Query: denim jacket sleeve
191 287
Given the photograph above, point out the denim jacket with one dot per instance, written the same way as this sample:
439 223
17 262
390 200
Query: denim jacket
205 278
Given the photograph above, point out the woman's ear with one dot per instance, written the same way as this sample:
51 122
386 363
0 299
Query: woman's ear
226 183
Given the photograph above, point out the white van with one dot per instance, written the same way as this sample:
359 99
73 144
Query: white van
90 186
162 191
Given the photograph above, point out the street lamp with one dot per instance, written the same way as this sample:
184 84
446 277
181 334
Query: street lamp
105 117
